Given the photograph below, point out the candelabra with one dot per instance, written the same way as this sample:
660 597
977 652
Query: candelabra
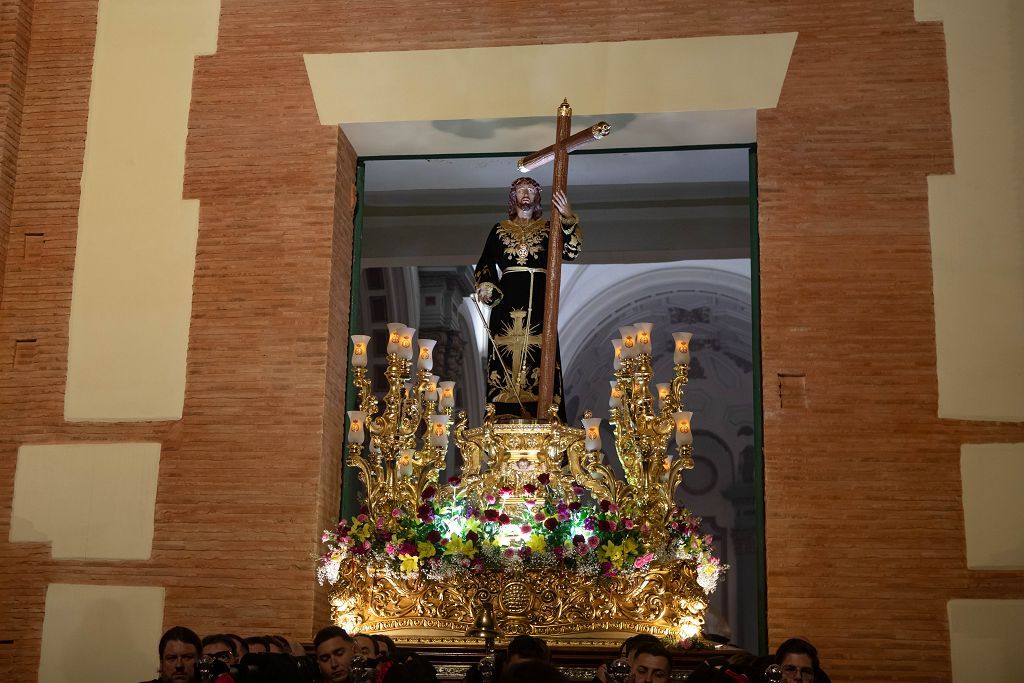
535 517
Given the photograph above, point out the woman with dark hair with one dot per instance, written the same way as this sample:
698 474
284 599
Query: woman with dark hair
511 278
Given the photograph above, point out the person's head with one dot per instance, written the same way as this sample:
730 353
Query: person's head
241 649
798 659
257 645
523 648
220 647
532 671
278 644
651 663
524 193
630 644
334 650
179 650
385 646
364 645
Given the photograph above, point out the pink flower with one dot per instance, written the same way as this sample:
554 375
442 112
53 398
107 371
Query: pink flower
509 552
643 560
325 537
390 548
526 528
581 550
593 541
558 551
539 516
628 523
361 517
708 539
490 499
612 526
505 491
396 513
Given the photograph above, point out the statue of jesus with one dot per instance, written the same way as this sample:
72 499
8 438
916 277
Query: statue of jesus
511 278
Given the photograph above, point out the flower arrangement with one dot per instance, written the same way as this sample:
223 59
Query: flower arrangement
456 534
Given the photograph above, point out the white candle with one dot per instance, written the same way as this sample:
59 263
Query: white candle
629 347
425 358
395 337
359 344
681 354
643 337
615 400
664 390
617 358
684 436
447 392
438 430
430 393
592 433
405 342
405 463
356 420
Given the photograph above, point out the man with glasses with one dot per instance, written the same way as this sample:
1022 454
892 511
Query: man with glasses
799 662
220 647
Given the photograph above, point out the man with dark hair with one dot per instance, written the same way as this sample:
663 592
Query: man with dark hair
257 645
799 661
220 647
386 647
334 649
179 649
652 663
525 648
364 645
626 651
241 649
533 671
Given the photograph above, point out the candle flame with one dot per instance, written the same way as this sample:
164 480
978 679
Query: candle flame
357 426
683 347
359 349
593 433
424 352
628 342
438 429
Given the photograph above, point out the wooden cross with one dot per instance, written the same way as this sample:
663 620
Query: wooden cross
518 340
559 153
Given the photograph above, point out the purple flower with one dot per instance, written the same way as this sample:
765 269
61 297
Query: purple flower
589 524
577 489
525 552
606 569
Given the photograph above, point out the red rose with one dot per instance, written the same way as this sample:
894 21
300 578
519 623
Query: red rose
428 493
472 536
575 505
603 525
544 478
605 505
503 519
529 488
551 523
454 481
425 512
491 514
434 536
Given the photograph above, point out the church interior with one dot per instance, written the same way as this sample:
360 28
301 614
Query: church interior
201 201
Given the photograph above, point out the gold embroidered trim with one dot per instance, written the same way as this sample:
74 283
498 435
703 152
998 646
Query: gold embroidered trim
522 242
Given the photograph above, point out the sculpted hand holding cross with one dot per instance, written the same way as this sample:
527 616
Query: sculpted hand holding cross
511 278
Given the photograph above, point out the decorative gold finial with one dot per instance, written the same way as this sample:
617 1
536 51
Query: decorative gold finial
564 109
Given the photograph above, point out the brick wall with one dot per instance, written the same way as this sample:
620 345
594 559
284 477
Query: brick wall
864 521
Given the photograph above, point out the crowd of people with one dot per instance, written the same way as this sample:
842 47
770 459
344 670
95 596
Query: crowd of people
340 657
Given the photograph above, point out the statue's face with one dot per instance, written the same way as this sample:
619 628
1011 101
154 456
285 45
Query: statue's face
526 196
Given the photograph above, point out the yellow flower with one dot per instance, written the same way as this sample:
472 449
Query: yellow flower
537 543
609 552
473 524
410 563
629 546
361 531
426 550
456 546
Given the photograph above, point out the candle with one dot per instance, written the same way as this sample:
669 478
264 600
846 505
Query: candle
684 436
356 420
616 398
405 342
447 392
617 358
629 347
425 359
359 344
643 337
592 433
405 463
438 430
430 393
681 355
664 389
395 337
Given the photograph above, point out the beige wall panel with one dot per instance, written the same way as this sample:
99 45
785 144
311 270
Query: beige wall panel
132 291
985 638
90 501
100 633
643 76
977 214
993 479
